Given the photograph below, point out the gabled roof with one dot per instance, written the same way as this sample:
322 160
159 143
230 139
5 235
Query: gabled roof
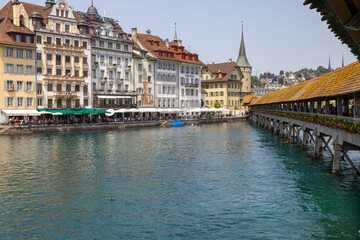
226 69
203 91
342 81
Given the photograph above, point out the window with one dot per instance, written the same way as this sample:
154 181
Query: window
59 87
58 71
149 90
49 40
110 60
9 68
85 73
94 73
68 87
48 56
20 101
19 85
58 59
77 88
19 53
39 70
29 69
29 101
140 78
149 78
139 67
86 102
49 71
29 86
85 44
29 54
126 62
111 75
19 69
102 59
67 28
17 38
102 44
110 45
10 101
117 46
85 61
67 59
76 73
76 43
39 101
85 90
67 71
76 59
67 42
9 84
118 61
58 29
38 39
102 73
126 47
9 52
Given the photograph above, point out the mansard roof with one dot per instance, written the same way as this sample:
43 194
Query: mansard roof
226 69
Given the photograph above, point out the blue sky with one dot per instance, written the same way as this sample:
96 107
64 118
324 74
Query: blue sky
280 34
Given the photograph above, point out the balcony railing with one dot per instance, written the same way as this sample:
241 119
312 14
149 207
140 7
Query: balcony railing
191 85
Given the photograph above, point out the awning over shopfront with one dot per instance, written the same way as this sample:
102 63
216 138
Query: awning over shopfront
20 113
72 112
113 97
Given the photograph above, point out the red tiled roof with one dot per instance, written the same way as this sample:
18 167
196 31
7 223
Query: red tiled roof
203 91
154 49
248 98
7 27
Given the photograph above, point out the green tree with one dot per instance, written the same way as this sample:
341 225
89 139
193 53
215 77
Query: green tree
281 72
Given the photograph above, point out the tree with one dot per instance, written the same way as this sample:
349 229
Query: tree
281 72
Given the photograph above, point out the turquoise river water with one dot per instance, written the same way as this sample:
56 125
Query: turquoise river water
220 181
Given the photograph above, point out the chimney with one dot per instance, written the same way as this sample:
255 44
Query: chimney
16 12
180 42
167 43
134 34
213 63
49 3
148 32
230 60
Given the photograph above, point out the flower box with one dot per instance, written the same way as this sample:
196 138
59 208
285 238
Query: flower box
109 90
101 90
117 90
126 90
9 90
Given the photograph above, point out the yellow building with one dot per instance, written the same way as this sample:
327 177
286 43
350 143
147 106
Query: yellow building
223 84
17 67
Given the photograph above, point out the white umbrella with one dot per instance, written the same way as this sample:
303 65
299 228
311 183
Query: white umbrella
111 112
120 110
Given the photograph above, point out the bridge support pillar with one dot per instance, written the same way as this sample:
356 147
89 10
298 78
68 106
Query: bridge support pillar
317 146
336 159
357 105
305 139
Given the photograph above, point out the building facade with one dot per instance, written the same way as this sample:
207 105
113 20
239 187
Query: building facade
177 71
223 84
143 77
17 65
62 57
111 57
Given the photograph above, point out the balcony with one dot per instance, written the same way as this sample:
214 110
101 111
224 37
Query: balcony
191 85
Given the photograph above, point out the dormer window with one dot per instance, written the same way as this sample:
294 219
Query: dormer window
196 58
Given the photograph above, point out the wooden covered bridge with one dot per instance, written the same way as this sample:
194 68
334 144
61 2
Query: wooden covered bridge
323 111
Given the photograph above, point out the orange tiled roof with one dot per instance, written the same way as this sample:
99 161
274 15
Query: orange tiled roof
145 40
248 98
339 82
203 91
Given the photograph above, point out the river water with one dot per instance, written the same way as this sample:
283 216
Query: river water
220 181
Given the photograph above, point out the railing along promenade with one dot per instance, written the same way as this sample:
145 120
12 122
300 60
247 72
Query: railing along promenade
321 130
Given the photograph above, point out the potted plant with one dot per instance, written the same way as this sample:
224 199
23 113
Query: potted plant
117 90
126 90
101 90
105 77
109 90
114 64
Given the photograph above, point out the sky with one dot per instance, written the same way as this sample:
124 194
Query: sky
279 34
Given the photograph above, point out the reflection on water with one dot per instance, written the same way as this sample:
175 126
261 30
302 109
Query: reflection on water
217 181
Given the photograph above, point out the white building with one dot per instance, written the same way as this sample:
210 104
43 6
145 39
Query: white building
111 56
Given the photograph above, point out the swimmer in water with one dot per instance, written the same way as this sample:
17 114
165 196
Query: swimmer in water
111 199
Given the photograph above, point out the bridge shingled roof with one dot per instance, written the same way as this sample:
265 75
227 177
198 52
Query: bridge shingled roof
342 81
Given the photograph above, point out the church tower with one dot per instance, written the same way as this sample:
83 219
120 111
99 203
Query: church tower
245 67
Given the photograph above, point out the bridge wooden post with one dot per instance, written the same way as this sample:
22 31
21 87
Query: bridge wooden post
357 105
312 103
327 106
336 159
339 105
318 107
305 138
317 146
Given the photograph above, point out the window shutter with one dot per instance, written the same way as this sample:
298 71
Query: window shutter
5 68
4 52
5 101
5 87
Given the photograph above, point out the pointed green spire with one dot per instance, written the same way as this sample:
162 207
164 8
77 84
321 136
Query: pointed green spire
242 60
175 37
